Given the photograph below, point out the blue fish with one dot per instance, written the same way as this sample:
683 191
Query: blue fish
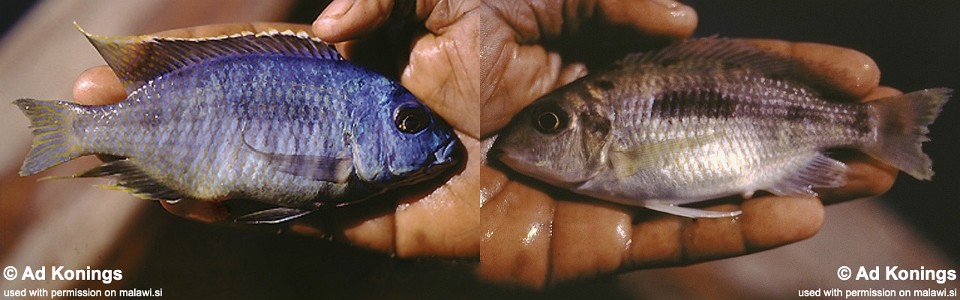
277 117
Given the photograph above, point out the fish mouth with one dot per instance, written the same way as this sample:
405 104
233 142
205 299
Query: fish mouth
446 154
444 157
495 153
500 156
515 162
441 159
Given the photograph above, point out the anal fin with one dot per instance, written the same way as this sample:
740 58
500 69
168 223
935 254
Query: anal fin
132 179
817 170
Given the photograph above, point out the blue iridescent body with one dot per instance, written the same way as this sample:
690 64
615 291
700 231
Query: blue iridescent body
293 127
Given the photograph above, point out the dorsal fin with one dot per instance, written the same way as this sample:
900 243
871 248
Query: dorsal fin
724 52
138 59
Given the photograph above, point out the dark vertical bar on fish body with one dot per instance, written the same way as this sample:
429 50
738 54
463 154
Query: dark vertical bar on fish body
694 103
777 103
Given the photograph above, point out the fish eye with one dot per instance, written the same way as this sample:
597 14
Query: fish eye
411 118
550 120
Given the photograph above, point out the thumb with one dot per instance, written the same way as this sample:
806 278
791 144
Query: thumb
98 86
347 19
663 18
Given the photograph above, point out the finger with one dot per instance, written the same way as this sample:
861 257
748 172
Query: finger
531 240
571 72
445 222
204 211
347 19
441 70
98 86
589 239
610 243
658 18
522 74
841 71
428 222
772 221
516 240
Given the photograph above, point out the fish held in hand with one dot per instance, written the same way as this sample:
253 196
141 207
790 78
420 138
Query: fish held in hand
703 119
277 117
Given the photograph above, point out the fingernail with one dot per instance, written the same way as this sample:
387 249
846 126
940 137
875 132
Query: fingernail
336 9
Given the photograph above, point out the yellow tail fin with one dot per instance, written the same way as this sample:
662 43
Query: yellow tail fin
53 141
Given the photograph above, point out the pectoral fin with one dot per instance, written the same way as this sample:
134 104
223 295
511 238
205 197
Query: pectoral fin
275 215
627 162
624 163
652 155
315 167
693 213
330 169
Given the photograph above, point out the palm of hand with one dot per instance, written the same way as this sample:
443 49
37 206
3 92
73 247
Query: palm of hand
441 222
525 233
535 235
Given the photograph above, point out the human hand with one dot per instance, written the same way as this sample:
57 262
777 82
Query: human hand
440 222
535 235
529 229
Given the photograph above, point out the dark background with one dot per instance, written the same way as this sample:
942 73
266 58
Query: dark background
915 43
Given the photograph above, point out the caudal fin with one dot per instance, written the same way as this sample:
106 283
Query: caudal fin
53 141
902 128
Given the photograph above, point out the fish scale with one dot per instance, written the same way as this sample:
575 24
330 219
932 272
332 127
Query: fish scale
703 119
277 117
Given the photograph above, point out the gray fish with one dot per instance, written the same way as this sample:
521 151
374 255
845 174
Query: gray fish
277 117
703 119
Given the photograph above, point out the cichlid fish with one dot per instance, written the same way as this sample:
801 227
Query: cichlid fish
277 117
707 118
